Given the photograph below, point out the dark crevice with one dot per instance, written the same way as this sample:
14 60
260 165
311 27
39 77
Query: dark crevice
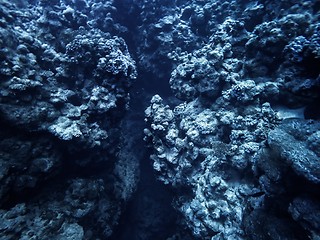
149 214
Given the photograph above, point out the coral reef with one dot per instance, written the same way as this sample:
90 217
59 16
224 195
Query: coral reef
206 152
230 149
230 94
64 91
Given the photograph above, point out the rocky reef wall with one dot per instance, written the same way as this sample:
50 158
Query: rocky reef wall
65 84
227 93
240 149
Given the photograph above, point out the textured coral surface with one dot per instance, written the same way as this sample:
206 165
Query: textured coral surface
159 119
241 149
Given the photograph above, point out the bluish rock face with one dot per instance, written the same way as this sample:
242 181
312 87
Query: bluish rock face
227 100
64 90
240 166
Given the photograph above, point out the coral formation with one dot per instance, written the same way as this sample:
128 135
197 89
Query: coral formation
230 94
227 151
64 91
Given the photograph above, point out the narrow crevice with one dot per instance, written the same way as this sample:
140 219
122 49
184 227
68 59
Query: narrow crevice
149 214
